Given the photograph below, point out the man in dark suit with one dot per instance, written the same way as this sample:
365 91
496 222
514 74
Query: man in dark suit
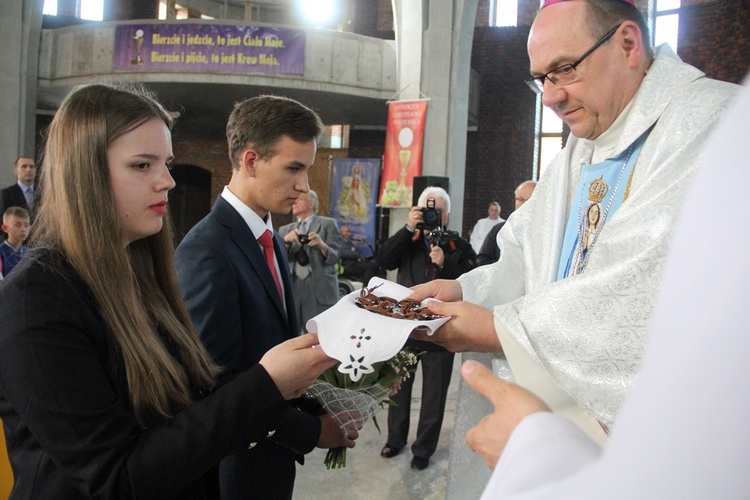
490 252
20 194
312 244
236 281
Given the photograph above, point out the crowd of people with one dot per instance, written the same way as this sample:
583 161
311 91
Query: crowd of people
121 358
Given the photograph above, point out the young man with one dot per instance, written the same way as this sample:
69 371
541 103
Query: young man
16 224
236 282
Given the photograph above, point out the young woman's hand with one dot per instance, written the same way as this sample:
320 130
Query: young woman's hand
295 364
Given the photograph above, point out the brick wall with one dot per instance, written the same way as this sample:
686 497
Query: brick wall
208 153
366 143
483 13
385 16
499 153
366 18
715 37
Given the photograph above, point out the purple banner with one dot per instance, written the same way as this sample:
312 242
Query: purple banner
355 190
209 47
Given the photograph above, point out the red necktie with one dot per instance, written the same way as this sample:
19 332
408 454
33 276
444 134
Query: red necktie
266 239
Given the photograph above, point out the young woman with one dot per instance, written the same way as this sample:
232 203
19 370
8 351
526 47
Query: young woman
105 389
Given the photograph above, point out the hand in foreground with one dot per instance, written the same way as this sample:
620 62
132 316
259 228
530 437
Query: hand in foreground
512 404
295 364
445 290
471 329
332 435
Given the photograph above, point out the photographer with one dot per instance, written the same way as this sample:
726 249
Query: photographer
424 250
312 251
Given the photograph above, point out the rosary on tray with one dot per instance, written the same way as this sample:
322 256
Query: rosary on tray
399 309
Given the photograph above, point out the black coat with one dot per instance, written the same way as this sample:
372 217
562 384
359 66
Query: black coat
12 196
412 258
490 252
65 408
410 253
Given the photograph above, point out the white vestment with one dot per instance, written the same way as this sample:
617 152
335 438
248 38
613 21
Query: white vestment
480 231
585 335
681 432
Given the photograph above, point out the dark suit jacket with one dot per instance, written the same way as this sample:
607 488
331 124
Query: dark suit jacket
12 196
410 253
233 301
490 252
65 407
322 270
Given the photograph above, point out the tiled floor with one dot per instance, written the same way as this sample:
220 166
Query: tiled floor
368 476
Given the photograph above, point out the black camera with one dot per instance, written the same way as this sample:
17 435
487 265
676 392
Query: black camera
437 236
303 238
431 216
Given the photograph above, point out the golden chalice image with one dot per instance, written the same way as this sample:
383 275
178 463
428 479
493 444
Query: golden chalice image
138 40
405 138
403 157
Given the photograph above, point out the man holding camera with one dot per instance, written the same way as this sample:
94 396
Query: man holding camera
313 251
423 250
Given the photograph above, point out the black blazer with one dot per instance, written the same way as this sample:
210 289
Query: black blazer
65 408
233 301
12 196
490 252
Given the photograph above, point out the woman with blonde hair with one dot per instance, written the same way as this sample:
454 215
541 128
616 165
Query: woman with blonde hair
105 389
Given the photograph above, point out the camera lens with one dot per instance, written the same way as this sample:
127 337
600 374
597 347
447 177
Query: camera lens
303 239
432 217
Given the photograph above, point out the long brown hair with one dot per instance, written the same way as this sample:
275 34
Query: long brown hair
135 287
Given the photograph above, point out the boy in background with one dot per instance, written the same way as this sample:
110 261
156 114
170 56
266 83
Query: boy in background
16 224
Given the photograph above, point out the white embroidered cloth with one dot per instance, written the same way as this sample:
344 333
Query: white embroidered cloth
359 338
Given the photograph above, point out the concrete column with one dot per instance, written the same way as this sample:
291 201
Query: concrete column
407 24
438 46
20 35
408 21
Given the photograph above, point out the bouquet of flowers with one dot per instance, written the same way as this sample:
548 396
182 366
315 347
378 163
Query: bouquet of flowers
366 332
353 403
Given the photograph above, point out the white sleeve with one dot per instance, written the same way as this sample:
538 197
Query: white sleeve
544 448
